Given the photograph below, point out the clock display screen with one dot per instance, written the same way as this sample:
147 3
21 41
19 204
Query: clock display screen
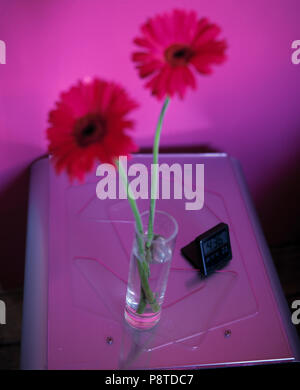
210 251
215 242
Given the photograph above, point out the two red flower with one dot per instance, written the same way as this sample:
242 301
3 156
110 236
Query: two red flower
90 120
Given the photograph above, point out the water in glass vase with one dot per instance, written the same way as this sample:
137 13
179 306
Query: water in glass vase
148 274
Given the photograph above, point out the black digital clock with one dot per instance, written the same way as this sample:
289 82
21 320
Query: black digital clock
210 251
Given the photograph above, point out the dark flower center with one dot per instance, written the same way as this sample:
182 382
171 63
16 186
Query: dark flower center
178 54
89 129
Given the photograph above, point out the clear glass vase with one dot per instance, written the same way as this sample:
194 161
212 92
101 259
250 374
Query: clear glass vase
149 269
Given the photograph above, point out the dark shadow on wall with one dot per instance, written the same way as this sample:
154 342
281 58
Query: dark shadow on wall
183 149
13 220
278 206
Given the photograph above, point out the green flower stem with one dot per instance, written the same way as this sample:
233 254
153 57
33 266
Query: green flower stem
144 275
143 302
154 177
143 268
133 206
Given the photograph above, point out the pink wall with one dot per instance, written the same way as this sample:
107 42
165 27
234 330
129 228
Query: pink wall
248 108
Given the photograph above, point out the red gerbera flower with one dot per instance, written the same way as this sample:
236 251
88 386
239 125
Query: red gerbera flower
89 124
171 43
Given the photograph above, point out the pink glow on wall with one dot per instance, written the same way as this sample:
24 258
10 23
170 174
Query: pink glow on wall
248 108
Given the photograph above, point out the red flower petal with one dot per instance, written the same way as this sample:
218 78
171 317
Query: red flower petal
90 104
148 68
205 34
171 44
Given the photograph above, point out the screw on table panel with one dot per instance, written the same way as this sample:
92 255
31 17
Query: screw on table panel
109 340
227 333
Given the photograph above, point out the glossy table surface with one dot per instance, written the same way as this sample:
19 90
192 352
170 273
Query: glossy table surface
78 251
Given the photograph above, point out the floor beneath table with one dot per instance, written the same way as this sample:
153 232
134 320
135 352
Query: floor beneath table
286 259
